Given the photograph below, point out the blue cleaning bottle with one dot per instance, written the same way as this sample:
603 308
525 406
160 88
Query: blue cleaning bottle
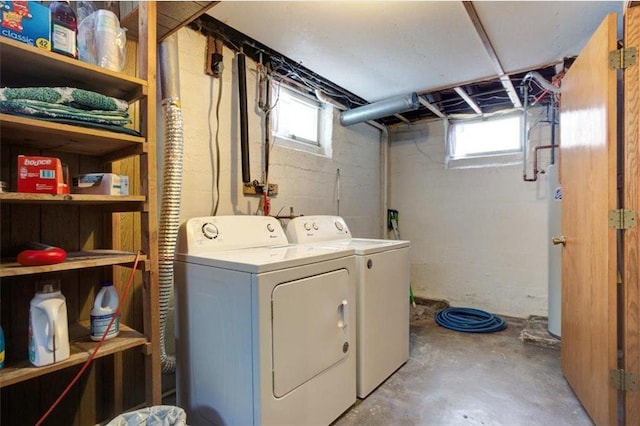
1 347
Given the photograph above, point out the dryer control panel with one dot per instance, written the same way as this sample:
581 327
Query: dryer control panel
309 229
215 233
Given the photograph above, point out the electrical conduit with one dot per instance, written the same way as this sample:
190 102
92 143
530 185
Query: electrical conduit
169 219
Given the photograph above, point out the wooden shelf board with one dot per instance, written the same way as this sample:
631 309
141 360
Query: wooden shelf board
62 71
26 198
24 131
81 347
75 260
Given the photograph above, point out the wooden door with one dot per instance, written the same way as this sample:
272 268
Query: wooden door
588 177
631 282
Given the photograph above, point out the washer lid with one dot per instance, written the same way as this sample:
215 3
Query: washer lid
364 246
266 259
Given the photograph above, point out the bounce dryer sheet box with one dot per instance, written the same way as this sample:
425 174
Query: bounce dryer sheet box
26 21
42 175
101 184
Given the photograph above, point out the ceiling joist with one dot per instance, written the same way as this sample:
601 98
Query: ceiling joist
504 78
431 107
402 118
464 95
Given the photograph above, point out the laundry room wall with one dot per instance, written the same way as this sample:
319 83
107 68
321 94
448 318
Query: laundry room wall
306 182
479 235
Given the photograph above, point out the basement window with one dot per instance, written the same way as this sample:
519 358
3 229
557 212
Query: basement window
301 122
484 142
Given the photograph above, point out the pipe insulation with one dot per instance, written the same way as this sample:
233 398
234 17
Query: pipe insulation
169 219
244 118
384 108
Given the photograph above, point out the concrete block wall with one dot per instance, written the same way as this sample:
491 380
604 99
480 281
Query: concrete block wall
307 182
479 235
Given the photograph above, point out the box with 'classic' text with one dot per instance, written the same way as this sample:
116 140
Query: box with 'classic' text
27 22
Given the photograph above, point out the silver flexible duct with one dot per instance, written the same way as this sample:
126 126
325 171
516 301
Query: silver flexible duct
547 85
169 220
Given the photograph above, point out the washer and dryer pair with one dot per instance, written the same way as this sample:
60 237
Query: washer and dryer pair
265 330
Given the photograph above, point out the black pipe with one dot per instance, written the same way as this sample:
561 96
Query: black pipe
244 119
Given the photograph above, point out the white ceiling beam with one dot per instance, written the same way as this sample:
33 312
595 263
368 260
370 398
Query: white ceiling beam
464 95
431 107
495 61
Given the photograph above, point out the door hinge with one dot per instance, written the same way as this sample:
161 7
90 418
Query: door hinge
622 219
623 380
622 58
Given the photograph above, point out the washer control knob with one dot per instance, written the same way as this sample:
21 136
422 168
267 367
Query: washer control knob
307 226
270 227
339 225
315 226
210 231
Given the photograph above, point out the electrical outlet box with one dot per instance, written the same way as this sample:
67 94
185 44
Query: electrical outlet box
256 188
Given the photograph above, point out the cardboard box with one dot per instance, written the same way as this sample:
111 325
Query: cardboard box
42 175
101 184
26 21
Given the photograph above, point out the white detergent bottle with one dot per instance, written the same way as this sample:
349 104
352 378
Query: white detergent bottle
48 328
104 308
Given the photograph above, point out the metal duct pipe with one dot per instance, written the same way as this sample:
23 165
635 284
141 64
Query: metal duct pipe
380 109
169 218
244 119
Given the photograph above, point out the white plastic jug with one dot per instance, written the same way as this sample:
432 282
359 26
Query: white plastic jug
48 328
104 307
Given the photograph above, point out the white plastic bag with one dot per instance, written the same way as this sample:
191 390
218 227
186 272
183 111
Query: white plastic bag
159 415
101 40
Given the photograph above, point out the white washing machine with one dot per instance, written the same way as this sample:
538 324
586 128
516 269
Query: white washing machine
265 331
382 295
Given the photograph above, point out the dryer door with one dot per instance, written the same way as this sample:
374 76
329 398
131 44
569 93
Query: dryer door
310 328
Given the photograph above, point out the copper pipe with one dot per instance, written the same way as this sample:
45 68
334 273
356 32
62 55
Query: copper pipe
535 162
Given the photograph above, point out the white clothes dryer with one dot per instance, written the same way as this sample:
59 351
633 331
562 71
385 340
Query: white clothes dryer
382 295
265 331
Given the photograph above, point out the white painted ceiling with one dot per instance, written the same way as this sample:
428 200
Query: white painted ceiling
380 49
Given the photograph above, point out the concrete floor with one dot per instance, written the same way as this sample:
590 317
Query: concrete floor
455 378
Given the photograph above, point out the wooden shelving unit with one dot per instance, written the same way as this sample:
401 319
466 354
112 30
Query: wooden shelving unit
100 233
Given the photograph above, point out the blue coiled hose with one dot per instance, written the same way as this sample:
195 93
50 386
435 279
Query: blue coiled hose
470 320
